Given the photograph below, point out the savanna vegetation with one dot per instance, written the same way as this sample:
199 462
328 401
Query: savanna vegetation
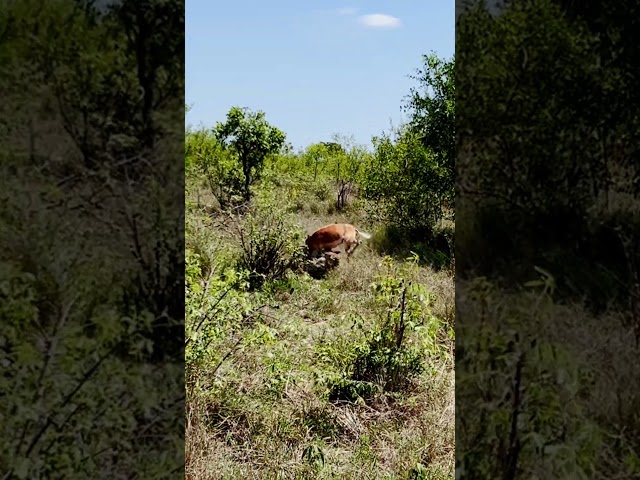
548 241
91 251
349 376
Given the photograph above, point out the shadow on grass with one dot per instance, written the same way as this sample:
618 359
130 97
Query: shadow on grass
591 260
433 248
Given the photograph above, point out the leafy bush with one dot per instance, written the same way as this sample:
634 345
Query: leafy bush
513 383
214 301
435 249
538 154
403 179
396 350
206 158
271 244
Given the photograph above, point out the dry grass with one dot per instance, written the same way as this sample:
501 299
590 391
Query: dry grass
590 384
264 407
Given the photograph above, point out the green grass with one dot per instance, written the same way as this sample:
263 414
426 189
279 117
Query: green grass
257 405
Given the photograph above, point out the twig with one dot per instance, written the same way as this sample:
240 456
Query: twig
85 378
207 315
400 330
514 441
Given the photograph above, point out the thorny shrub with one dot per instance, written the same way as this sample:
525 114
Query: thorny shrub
271 244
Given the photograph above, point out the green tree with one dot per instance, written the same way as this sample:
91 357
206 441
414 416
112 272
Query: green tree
349 160
412 171
252 138
316 155
334 148
431 106
547 137
324 157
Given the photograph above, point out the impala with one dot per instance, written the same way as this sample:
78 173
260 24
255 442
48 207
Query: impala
332 236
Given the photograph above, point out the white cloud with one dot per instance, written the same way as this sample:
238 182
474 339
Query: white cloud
379 20
347 11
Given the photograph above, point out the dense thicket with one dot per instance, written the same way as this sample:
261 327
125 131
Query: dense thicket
91 251
547 145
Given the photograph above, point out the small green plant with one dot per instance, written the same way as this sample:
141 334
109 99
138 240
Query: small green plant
385 361
314 456
365 453
277 376
419 472
432 472
321 423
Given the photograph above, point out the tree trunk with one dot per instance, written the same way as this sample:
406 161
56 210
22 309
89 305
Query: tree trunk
246 170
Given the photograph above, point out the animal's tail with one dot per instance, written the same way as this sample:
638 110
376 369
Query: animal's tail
364 234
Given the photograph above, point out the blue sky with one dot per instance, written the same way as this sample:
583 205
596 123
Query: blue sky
314 68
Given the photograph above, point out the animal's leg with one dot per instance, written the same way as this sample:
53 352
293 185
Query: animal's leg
352 248
342 242
356 246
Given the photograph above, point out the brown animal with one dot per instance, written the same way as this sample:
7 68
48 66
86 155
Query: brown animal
332 236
